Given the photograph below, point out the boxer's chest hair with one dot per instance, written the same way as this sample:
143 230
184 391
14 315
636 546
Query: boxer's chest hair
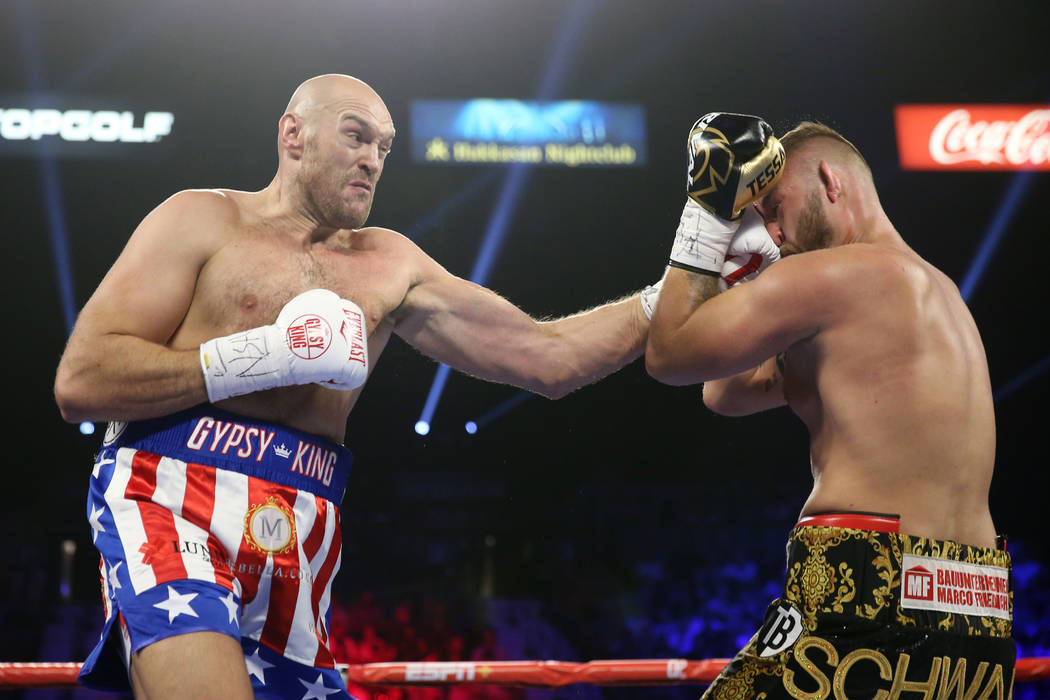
247 285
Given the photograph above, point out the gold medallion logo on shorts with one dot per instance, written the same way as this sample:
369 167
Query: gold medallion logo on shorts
270 527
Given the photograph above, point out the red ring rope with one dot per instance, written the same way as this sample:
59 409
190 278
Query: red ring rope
531 673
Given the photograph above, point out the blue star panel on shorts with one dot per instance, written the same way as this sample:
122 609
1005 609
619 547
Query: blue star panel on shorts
274 676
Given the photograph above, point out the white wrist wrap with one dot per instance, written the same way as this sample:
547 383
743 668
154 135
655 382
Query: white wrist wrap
242 363
701 240
649 296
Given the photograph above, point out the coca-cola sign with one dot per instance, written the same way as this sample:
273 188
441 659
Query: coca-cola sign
973 137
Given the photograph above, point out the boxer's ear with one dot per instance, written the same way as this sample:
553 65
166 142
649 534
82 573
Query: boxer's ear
290 135
831 181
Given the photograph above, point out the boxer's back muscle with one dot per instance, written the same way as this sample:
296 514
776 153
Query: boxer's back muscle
897 398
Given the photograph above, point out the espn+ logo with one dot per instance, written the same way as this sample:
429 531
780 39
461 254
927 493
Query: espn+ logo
83 125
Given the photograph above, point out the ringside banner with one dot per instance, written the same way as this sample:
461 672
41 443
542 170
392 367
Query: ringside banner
565 133
81 126
973 136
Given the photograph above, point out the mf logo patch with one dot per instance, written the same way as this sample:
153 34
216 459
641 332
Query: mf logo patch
930 583
783 627
270 527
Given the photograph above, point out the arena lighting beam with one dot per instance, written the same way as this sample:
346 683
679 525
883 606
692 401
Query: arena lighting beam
513 183
482 266
50 182
1015 194
498 410
652 52
1036 370
450 205
56 223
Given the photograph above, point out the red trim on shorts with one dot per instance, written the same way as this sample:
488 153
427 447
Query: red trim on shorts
876 522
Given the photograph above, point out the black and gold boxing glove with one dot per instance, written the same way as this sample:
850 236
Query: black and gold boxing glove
733 160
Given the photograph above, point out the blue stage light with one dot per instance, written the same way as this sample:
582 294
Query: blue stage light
515 179
1015 195
1034 372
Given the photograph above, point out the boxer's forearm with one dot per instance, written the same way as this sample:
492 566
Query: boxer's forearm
748 392
587 346
121 377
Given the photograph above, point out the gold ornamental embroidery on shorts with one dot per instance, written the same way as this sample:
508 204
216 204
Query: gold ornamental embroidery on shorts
816 584
270 527
882 563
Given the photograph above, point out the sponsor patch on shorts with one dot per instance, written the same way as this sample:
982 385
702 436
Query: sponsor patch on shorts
782 628
928 583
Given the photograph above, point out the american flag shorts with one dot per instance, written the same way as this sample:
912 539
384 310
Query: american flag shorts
209 521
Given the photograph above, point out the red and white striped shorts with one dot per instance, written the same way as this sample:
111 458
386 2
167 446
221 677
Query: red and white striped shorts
210 521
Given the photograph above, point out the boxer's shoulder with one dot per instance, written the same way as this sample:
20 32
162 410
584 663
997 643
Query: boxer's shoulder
399 253
188 226
212 204
830 285
380 239
195 218
852 265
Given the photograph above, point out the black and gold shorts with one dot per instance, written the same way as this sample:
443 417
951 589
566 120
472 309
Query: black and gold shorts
868 612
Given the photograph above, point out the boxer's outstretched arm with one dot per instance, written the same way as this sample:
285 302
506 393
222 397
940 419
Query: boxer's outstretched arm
115 365
474 330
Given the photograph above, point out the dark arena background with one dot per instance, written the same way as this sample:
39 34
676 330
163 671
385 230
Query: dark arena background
625 521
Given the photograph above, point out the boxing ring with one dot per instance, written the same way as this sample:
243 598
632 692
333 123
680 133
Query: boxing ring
535 674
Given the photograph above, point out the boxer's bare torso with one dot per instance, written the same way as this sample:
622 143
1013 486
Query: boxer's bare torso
256 268
894 389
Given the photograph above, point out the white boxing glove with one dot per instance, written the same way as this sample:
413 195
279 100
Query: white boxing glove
354 330
314 340
750 251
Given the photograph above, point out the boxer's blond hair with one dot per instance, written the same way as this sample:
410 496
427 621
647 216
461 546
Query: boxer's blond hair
807 132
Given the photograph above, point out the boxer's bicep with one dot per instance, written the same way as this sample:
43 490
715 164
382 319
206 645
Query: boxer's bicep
476 331
470 328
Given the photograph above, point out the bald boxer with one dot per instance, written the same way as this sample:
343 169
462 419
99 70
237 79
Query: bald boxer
228 344
896 582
